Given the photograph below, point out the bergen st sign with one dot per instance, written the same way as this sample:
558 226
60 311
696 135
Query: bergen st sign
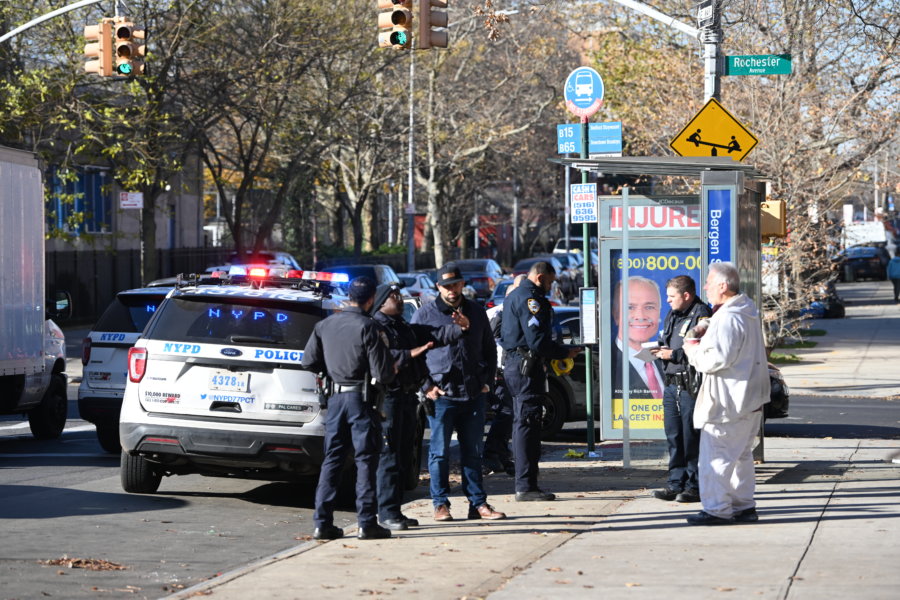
761 64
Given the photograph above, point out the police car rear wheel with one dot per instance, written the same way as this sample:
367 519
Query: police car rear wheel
48 419
554 414
138 475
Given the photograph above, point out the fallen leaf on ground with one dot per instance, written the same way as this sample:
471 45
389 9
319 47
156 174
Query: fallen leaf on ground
630 584
91 564
563 581
724 589
554 569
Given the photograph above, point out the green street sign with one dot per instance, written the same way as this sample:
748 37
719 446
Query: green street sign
759 64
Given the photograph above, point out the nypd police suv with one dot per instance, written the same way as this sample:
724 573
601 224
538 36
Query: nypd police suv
215 385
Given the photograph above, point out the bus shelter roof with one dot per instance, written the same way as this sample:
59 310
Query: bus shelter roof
684 166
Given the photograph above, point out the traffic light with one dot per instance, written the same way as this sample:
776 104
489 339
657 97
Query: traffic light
99 48
129 52
428 18
395 24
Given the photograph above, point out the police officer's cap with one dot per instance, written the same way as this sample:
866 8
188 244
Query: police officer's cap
361 289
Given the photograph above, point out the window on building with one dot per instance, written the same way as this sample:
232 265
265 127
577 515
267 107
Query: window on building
79 201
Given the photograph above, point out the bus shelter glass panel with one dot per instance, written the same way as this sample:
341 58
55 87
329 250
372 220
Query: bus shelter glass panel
664 240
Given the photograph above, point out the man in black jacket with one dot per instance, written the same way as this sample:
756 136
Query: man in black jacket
350 348
459 377
680 393
407 343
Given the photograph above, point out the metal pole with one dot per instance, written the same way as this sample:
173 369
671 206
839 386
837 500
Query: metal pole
515 219
390 216
49 15
589 355
410 206
711 36
476 222
623 331
569 216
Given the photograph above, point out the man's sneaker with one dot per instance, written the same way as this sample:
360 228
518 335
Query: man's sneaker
485 511
688 496
328 532
535 496
747 515
442 513
373 532
704 518
666 493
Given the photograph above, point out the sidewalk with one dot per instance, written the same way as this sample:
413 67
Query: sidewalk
829 517
829 521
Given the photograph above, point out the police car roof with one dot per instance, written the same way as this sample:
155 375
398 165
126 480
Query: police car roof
256 293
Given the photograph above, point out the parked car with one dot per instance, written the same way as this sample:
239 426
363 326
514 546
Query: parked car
563 278
499 292
419 285
277 262
576 244
104 356
482 274
380 274
858 262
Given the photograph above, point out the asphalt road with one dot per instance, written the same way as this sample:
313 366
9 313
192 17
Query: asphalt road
62 499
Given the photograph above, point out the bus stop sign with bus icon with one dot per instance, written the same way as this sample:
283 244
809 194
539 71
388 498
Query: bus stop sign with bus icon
583 92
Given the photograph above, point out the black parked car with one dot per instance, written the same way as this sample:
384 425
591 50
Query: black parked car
858 262
482 274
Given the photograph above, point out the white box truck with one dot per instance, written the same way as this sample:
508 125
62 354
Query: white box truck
32 346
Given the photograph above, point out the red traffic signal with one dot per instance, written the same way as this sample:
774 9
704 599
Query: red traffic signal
395 25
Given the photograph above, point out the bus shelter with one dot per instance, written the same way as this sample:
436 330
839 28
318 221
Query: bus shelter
645 240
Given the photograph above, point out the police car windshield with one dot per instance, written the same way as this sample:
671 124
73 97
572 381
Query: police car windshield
236 320
129 313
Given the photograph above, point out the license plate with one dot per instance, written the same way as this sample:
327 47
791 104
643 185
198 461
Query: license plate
232 382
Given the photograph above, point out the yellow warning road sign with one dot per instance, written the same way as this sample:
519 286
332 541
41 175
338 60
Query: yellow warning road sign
714 132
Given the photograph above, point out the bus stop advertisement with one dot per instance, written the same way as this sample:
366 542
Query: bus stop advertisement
662 236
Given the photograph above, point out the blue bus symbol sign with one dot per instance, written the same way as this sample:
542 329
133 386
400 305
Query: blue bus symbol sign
583 91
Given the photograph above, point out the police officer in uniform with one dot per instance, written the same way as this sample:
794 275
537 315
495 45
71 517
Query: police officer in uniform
528 342
680 393
350 348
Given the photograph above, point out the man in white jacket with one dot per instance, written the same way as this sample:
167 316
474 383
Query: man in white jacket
732 357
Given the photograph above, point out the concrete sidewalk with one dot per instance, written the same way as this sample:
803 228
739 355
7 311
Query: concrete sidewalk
829 521
829 515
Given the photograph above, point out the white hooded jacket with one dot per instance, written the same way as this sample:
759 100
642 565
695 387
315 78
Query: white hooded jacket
732 357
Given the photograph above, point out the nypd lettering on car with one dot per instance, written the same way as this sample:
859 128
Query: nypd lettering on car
218 351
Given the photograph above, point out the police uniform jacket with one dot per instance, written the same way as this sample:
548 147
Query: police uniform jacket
463 367
402 338
528 323
676 325
348 345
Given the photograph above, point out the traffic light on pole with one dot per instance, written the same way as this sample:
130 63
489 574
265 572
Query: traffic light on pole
428 18
129 53
99 48
395 25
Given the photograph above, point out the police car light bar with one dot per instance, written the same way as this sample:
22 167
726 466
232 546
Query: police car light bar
321 276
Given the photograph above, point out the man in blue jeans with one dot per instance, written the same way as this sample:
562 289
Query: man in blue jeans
459 378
